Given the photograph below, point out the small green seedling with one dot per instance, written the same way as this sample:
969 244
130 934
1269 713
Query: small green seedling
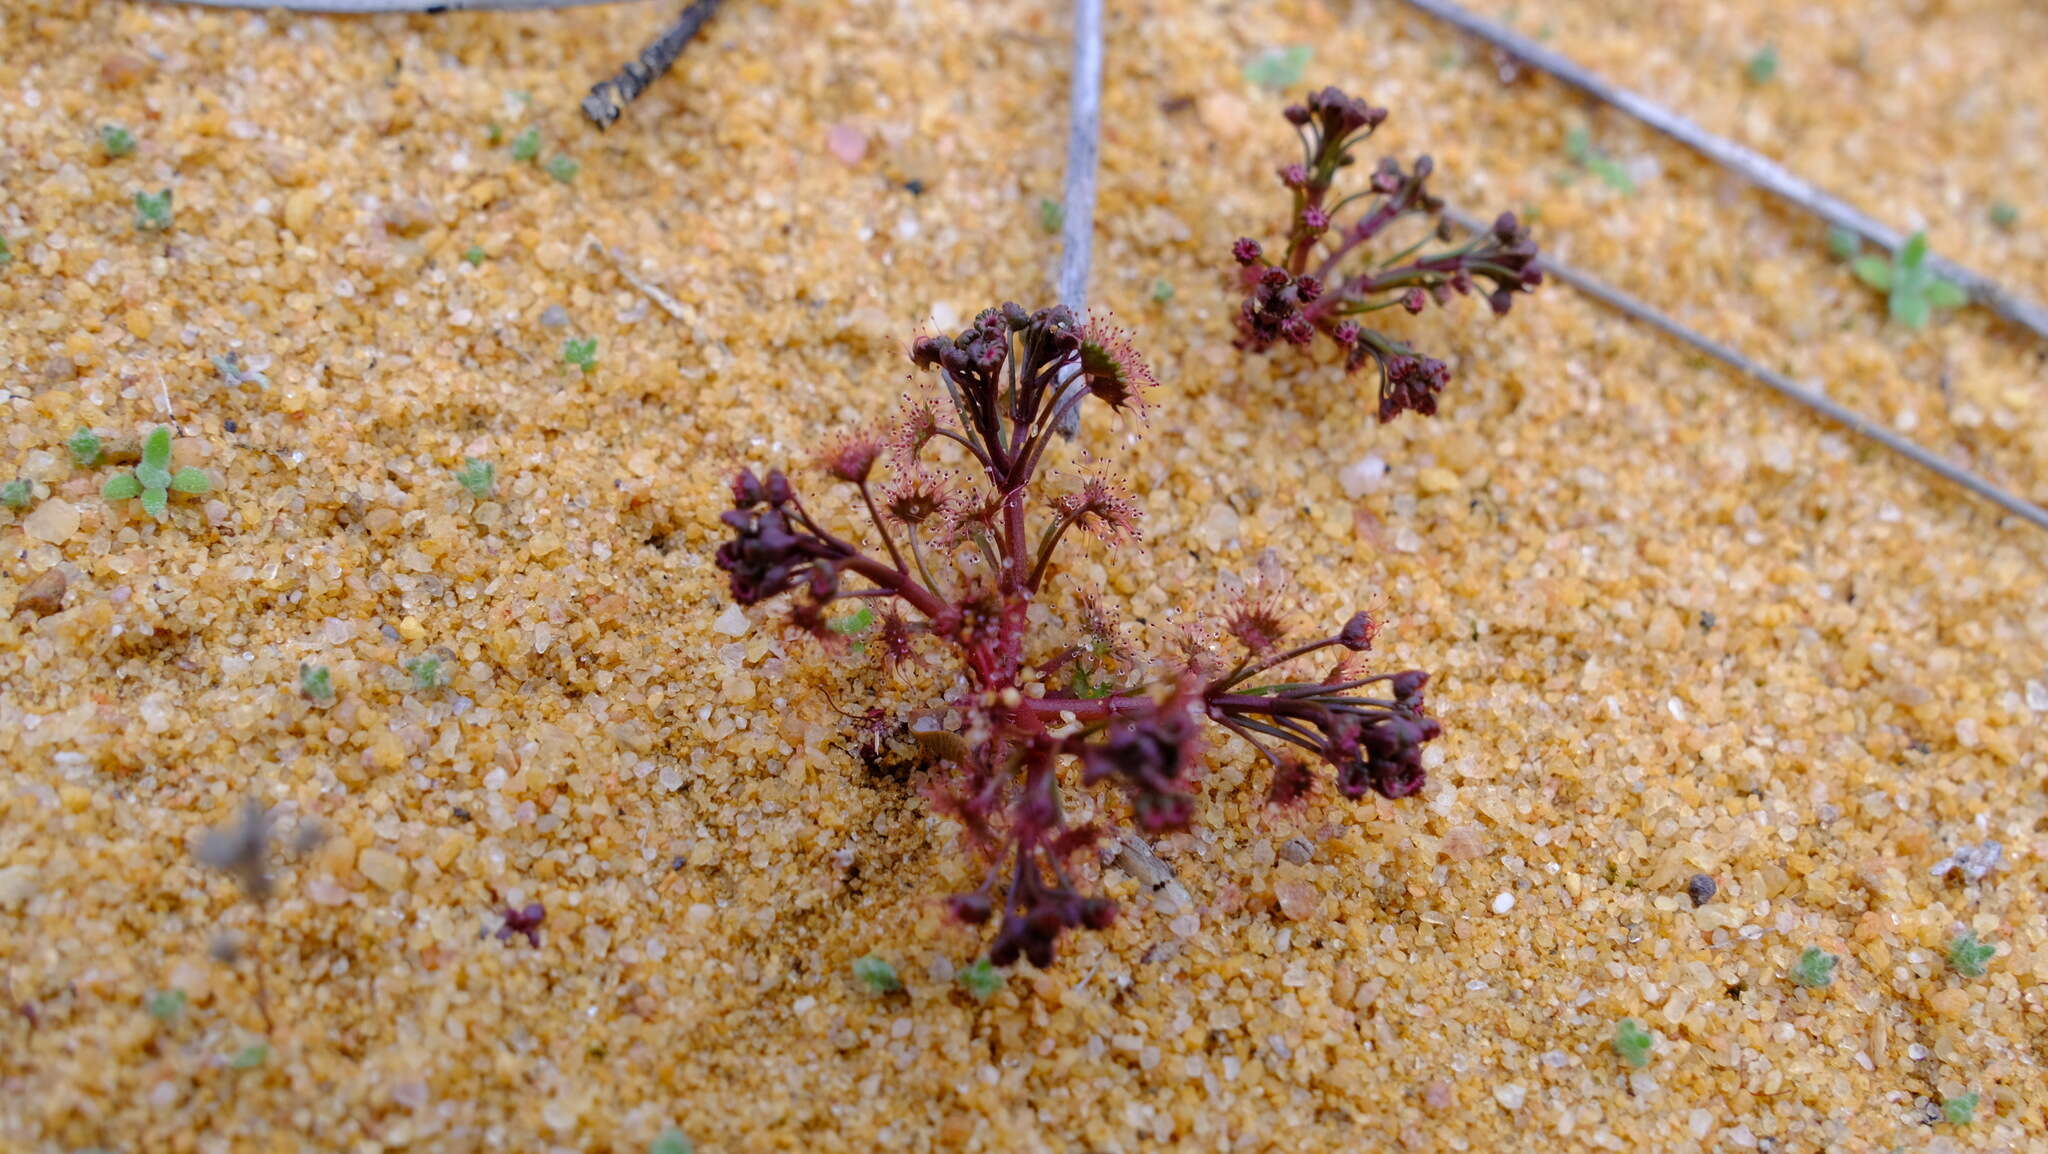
1278 68
152 480
563 168
479 477
1763 67
494 134
2003 215
153 211
116 141
670 1141
526 145
1970 956
852 623
6 253
981 979
428 674
249 1057
475 256
876 975
1085 685
581 352
1914 291
1161 292
166 1005
1578 144
1632 1043
1960 1110
16 494
85 448
1815 968
316 684
1052 215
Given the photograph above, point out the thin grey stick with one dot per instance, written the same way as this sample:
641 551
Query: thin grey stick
1759 169
373 7
1785 386
1084 119
610 98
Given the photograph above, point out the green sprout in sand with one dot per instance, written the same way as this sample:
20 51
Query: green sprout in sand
152 480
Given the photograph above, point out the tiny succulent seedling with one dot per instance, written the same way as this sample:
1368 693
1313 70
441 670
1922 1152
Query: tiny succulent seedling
116 141
16 494
6 252
670 1141
1162 291
855 622
316 685
249 1057
526 145
1960 1110
1763 67
166 1005
152 481
1969 956
1306 290
1052 215
428 673
1815 968
563 168
1578 145
2003 215
153 211
1278 69
1633 1043
969 530
581 352
876 974
479 477
475 256
85 448
1842 243
981 980
1912 290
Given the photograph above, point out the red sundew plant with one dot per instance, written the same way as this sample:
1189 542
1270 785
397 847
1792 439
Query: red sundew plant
1307 290
969 527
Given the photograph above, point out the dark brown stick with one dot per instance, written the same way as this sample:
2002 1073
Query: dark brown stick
609 99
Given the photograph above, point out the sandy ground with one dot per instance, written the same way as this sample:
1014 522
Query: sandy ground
1676 626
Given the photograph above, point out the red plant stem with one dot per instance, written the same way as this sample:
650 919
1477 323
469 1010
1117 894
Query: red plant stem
896 581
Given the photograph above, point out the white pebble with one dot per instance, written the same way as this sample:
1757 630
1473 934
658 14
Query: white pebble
733 622
1510 1095
1363 476
2037 697
1503 903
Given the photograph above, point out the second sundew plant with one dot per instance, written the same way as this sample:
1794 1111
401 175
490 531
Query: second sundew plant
963 559
1325 279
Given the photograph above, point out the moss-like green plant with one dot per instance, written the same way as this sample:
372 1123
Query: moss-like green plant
1842 243
1961 1110
1162 291
981 979
1912 290
1632 1043
152 480
581 352
1052 215
116 141
153 211
316 684
6 253
249 1057
670 1141
2003 215
1970 956
876 975
479 477
85 448
475 256
563 168
1815 968
16 494
855 622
